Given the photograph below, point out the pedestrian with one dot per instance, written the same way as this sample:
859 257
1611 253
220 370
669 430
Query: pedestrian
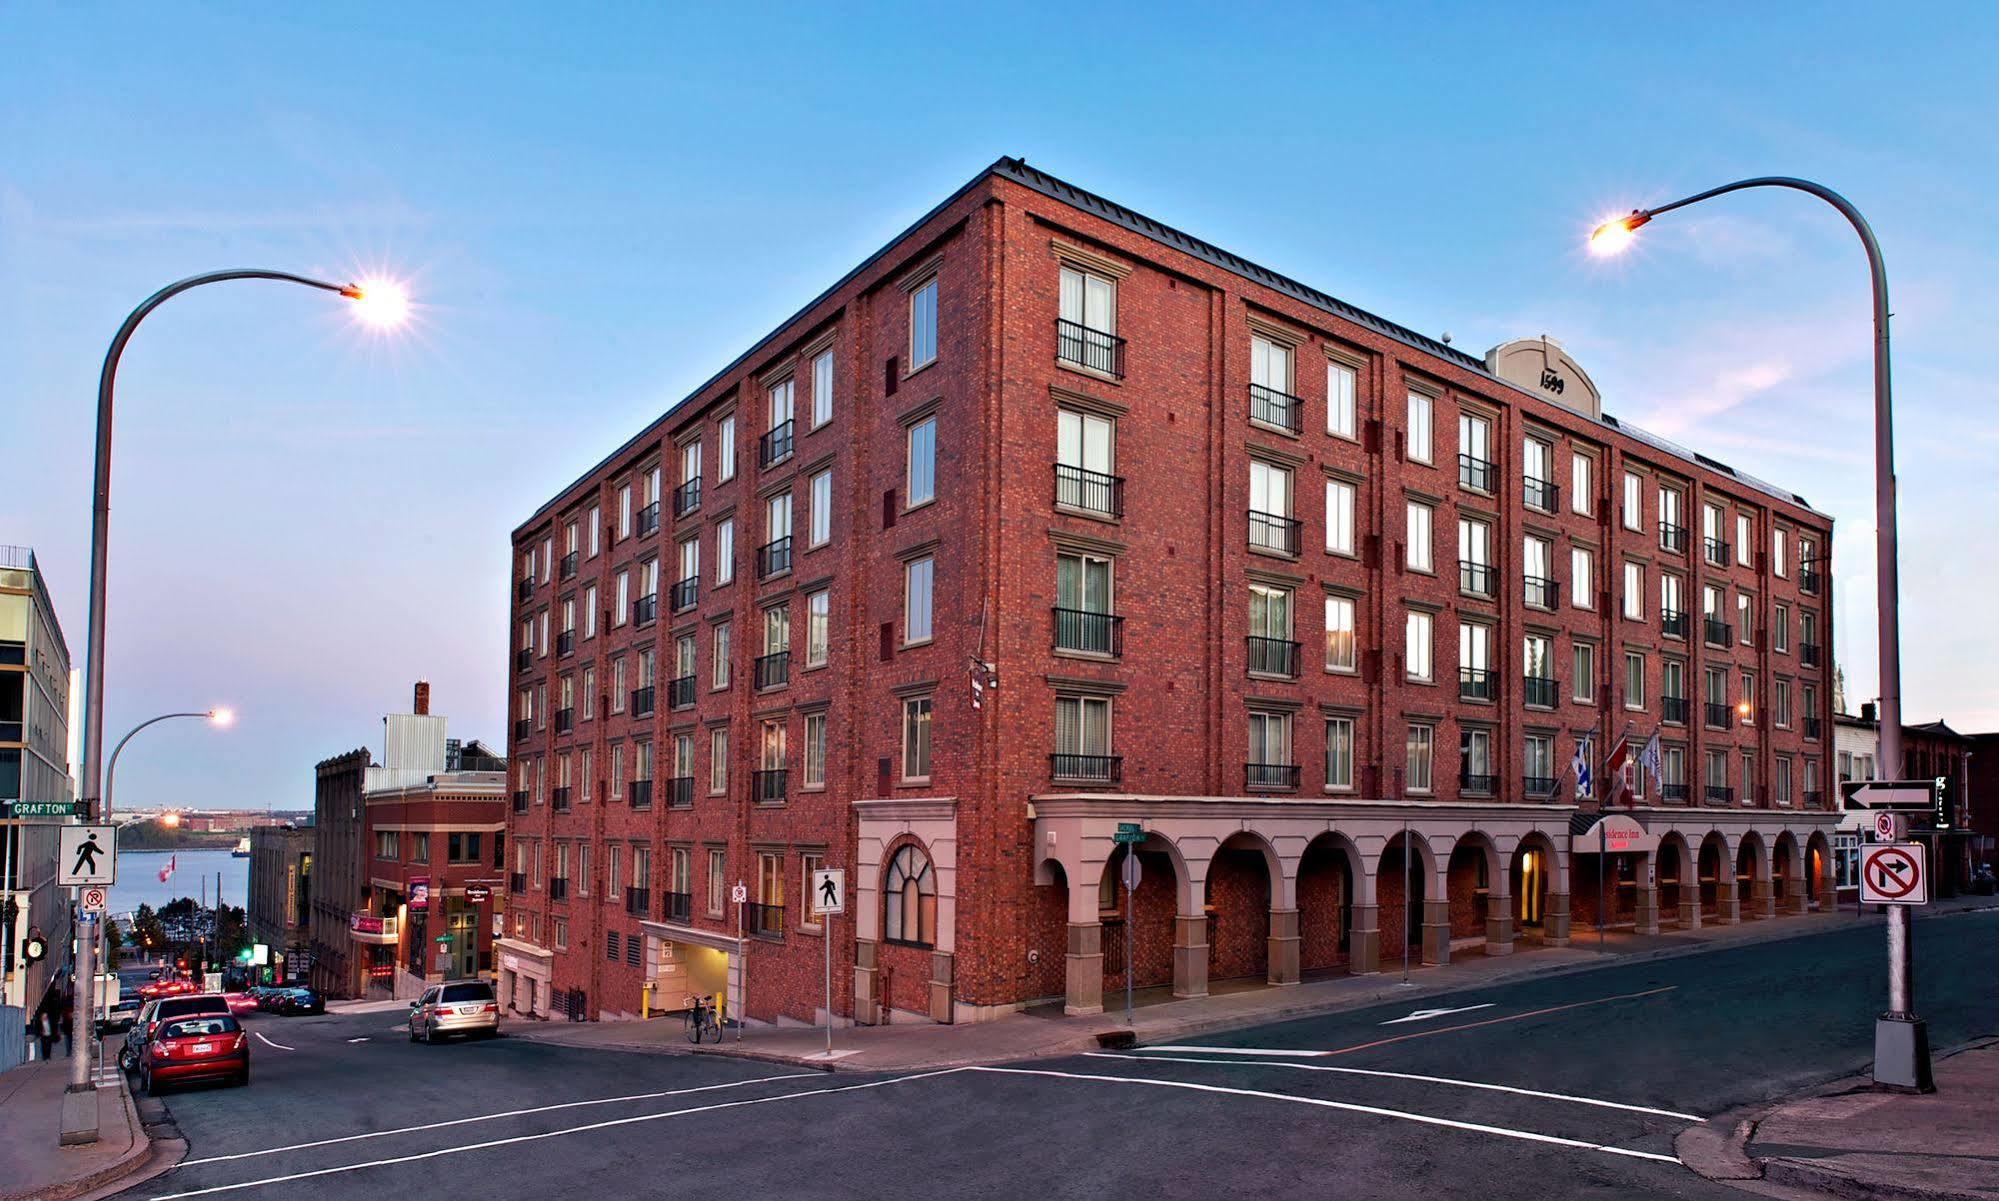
45 1030
68 1021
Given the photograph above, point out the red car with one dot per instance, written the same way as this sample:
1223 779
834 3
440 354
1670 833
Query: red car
209 1047
240 1002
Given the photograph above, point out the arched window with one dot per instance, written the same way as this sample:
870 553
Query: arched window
909 899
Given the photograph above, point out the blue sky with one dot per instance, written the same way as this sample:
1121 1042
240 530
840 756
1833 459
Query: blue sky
596 210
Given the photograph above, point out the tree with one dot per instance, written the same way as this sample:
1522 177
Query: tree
111 940
147 930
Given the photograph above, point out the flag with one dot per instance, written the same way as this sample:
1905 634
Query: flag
1649 760
1614 768
1580 765
168 870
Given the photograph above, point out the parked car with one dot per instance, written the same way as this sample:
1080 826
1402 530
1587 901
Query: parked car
121 1015
161 1010
184 1050
465 1007
240 1002
298 1002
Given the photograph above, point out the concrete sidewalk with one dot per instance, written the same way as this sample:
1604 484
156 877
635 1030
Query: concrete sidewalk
33 1165
1159 1018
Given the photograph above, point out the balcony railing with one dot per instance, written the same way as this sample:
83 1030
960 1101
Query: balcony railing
523 658
520 800
1539 690
1719 794
1814 798
1673 709
680 791
1273 656
643 700
1539 787
684 593
1673 792
1475 578
1086 347
1476 782
1090 491
639 793
645 610
1672 538
525 589
774 557
676 906
1088 632
763 921
1715 631
1271 531
1474 683
1475 473
1673 623
1545 495
568 567
774 669
1808 654
1716 551
517 882
558 888
522 728
767 785
649 519
565 720
1808 581
687 497
558 798
680 692
1812 727
1270 775
1715 715
1542 592
775 446
565 643
1281 410
1093 769
638 902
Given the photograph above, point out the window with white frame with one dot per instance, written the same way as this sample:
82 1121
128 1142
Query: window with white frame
822 388
725 449
921 477
1581 468
815 750
1339 752
1474 557
721 655
1416 642
1745 621
1085 461
623 611
1269 741
1582 689
625 512
1582 577
821 500
1782 779
1537 568
1270 507
916 738
1269 365
1088 304
1634 591
1340 653
1634 679
1474 452
725 551
1417 549
917 577
1419 757
1780 629
1744 540
1777 560
818 626
1780 703
1082 737
596 535
1634 501
923 324
1537 474
718 760
1341 398
1339 517
1420 411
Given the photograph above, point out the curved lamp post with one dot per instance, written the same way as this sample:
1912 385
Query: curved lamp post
1901 1040
219 717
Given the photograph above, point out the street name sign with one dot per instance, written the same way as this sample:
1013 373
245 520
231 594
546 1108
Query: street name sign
87 855
18 809
829 891
1914 796
1891 873
1129 832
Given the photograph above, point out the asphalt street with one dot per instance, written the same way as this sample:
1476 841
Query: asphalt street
1567 1086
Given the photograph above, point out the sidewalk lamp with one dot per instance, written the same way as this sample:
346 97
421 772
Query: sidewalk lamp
1901 1040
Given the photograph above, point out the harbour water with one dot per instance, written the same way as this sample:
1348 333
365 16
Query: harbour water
139 878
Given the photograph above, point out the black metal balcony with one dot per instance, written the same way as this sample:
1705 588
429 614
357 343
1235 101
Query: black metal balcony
1474 683
1808 654
1673 623
565 720
1716 632
1672 538
774 557
1475 473
1273 656
1716 550
680 692
1086 347
1269 531
643 700
1089 633
1280 410
522 728
774 669
775 446
1814 798
763 921
520 800
568 566
1715 715
517 881
1812 727
679 792
1539 690
687 497
1089 491
1481 783
1541 591
639 793
558 888
523 658
558 798
1808 581
1270 775
1673 709
767 785
526 588
1719 794
676 906
1673 792
1475 578
1545 495
638 902
1538 787
1091 769
684 593
645 610
649 519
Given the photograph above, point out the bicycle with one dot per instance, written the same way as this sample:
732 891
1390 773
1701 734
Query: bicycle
701 1020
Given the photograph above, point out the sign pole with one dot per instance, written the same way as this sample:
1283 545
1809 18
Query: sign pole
742 968
827 934
1406 884
1602 869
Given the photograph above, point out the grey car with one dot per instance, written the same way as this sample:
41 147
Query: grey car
465 1007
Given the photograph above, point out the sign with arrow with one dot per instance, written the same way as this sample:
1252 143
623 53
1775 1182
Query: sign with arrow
1912 796
829 891
1891 873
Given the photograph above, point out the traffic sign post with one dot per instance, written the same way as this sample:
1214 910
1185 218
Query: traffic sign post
1890 826
740 894
1132 872
829 896
1891 873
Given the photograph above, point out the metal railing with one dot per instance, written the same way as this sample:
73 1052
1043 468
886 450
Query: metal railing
767 784
645 610
676 906
1089 632
1812 727
687 497
774 557
1273 656
1095 769
1716 632
558 888
1476 782
1475 578
774 669
684 593
1716 551
1673 792
763 921
1714 715
1475 473
1673 623
1719 794
1673 709
1090 491
1808 654
1545 495
525 589
520 800
1540 691
1269 531
1538 786
1474 683
568 566
679 791
565 643
1093 348
522 728
517 882
523 658
558 798
1281 410
649 519
1814 798
1270 775
639 793
775 446
1808 581
680 692
1672 538
643 700
638 901
1541 591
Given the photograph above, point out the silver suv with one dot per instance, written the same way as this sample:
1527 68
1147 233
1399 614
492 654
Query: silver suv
455 1007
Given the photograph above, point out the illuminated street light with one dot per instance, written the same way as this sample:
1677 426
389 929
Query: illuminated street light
382 303
222 717
1614 235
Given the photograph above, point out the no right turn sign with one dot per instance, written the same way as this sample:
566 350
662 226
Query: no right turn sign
1891 873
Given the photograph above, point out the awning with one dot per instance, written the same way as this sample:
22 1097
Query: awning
1615 833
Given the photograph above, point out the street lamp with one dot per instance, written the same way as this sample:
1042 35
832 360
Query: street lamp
380 302
220 718
1901 1040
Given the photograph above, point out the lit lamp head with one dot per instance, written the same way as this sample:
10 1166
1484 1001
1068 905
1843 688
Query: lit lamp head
222 717
382 303
1615 234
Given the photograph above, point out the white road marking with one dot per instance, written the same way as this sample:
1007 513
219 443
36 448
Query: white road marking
1423 1015
267 1042
362 1039
1240 1051
1478 1084
530 1138
1347 1106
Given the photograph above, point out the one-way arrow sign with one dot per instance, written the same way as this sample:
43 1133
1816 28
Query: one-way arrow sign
1915 796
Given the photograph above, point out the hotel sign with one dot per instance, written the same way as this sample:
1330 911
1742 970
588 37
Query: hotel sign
1613 833
361 923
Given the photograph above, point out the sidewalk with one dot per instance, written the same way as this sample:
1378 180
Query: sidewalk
32 1165
1159 1018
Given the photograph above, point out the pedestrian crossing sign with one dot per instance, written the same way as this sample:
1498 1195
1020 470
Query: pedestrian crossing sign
829 891
87 855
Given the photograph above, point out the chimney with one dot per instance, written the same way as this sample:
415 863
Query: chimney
422 698
1867 712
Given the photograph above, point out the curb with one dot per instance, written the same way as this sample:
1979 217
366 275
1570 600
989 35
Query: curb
114 1176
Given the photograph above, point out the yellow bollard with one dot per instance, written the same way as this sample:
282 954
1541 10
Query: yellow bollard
645 1000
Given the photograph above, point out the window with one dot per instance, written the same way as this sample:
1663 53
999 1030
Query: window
1084 454
1783 780
821 501
1780 628
625 512
718 882
1339 752
1634 679
725 551
778 442
585 766
1538 760
1537 664
622 612
1339 517
596 529
1537 569
777 529
547 558
617 686
718 760
561 926
822 388
808 865
1748 777
1745 623
462 847
1669 598
721 655
923 325
1341 380
1781 702
1270 746
773 745
922 475
916 739
1580 466
777 629
1474 452
690 562
770 882
1634 501
1419 427
1419 752
909 898
690 462
1674 768
1743 536
1748 712
1777 552
1418 552
917 576
1088 308
1340 654
1713 549
1582 578
1474 661
1537 474
1083 604
1083 737
815 750
1416 646
386 844
1475 760
1634 591
1582 689
1270 385
1474 557
818 621
725 449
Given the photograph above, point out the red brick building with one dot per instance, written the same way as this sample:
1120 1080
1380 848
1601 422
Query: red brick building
1048 518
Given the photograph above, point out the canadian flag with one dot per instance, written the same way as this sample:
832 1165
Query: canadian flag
168 870
1615 775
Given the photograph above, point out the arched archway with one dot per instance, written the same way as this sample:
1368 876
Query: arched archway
1820 878
1048 933
908 892
1678 895
1533 880
1327 873
1716 873
1237 903
1137 928
1475 890
1752 877
1403 888
1787 885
